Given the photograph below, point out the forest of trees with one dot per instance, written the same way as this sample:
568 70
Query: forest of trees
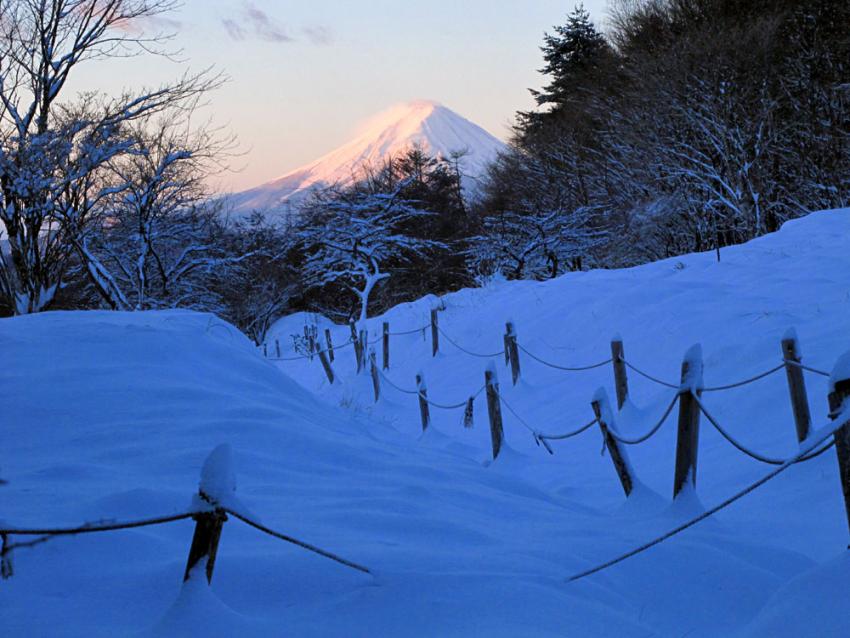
688 125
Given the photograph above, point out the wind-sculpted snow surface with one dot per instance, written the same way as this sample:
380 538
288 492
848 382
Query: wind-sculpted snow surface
111 415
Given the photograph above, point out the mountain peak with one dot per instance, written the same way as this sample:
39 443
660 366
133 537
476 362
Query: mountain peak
426 124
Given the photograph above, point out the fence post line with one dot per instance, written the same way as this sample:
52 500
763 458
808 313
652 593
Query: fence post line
265 349
424 411
330 344
435 336
494 410
839 397
277 347
513 350
506 341
621 379
326 365
386 353
687 440
364 346
605 416
376 382
796 384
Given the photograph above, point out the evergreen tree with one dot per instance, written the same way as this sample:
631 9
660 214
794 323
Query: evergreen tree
571 54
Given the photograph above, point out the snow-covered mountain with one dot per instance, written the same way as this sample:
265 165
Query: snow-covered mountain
437 130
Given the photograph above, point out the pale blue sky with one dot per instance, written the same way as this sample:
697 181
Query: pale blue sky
304 74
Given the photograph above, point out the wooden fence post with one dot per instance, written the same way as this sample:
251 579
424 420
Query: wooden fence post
839 397
435 337
513 351
687 441
424 411
329 372
376 382
357 346
277 347
796 384
621 379
494 410
265 350
386 335
311 340
330 344
506 341
364 346
208 524
605 416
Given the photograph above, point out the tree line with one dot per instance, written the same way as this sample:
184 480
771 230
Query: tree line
688 125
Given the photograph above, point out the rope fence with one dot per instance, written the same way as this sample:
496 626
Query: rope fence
204 547
688 395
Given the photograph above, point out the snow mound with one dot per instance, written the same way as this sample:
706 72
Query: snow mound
111 415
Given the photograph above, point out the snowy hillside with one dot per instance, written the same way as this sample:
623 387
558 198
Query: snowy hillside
432 127
112 414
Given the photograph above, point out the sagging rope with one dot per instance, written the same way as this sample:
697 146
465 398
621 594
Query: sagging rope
729 386
409 332
565 368
93 527
797 364
655 428
838 424
534 433
308 356
755 455
299 543
441 406
469 352
48 533
568 435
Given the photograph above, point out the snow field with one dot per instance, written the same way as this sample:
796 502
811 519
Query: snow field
113 415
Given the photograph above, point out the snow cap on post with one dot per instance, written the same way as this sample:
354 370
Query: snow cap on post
606 415
791 335
840 373
692 369
491 367
218 480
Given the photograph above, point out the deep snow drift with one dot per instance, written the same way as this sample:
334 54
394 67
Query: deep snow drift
111 415
437 130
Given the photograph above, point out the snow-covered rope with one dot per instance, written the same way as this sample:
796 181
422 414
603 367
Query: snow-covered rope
755 455
537 438
560 367
719 388
807 368
730 386
307 356
652 430
409 332
440 406
832 428
646 375
469 352
295 541
568 435
93 527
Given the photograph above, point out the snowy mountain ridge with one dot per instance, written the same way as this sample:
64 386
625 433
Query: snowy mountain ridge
425 124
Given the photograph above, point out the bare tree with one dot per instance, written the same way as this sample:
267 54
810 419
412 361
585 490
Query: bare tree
47 159
355 238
